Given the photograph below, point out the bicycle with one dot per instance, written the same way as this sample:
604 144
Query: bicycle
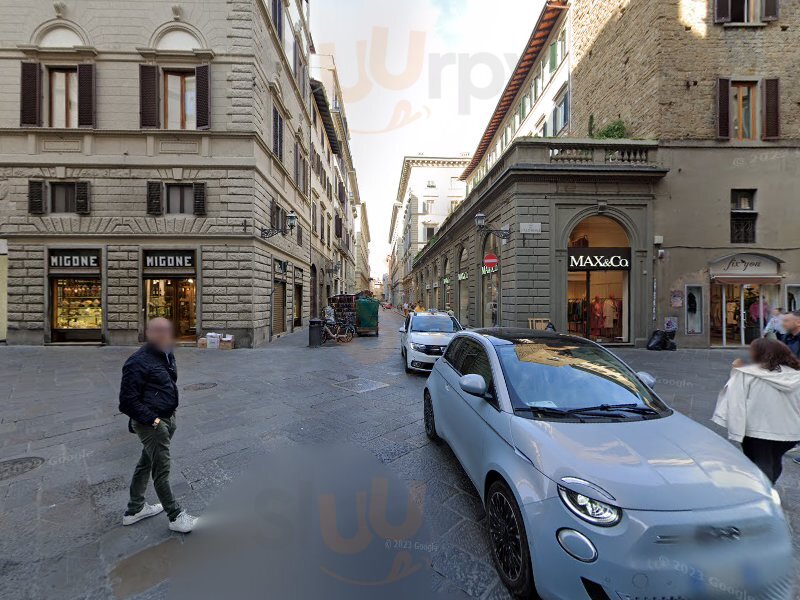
341 332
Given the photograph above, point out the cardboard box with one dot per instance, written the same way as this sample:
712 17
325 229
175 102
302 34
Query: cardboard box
226 344
202 343
213 341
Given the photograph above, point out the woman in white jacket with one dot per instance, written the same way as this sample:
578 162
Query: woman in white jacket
760 405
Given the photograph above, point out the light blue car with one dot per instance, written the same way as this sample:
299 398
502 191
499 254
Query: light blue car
593 487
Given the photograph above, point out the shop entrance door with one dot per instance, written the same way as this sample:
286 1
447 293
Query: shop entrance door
279 308
298 305
597 305
176 300
739 312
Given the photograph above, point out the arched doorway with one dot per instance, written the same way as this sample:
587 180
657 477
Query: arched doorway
598 281
490 285
462 277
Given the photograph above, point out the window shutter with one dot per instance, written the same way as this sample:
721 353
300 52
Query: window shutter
280 137
155 205
724 109
203 98
148 97
275 130
36 197
86 95
770 10
722 11
30 101
82 198
299 235
200 199
772 100
273 221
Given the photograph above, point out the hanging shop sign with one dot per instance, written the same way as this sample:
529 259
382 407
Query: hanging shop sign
488 270
464 275
82 259
446 281
169 259
599 259
490 261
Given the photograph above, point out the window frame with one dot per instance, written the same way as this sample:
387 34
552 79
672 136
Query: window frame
737 109
183 74
71 206
186 196
741 215
700 307
66 71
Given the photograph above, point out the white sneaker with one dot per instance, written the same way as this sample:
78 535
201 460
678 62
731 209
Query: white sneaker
149 510
183 523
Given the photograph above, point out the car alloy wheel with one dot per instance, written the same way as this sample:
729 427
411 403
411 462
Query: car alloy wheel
430 421
509 541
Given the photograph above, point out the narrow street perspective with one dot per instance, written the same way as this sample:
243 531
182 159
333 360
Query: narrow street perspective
353 299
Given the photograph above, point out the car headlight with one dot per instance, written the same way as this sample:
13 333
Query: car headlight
418 347
590 510
776 497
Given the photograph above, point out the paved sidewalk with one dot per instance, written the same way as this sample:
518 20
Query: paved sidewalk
60 530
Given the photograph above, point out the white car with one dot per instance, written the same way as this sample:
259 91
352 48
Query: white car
424 337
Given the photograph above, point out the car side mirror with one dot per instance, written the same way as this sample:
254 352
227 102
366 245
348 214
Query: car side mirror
647 379
475 385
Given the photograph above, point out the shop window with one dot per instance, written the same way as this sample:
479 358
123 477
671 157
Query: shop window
792 297
62 198
180 100
743 217
180 198
63 98
743 110
694 309
77 304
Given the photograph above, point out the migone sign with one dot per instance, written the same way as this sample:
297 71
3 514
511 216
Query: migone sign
599 259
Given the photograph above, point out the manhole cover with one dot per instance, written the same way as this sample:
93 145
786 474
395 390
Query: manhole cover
197 387
360 385
18 466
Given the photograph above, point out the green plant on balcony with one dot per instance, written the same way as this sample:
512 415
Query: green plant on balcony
614 130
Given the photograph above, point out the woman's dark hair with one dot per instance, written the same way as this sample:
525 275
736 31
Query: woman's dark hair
772 354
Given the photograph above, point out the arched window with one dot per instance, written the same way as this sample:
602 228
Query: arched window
60 36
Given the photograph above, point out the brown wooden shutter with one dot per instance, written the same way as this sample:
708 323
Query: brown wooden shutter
772 100
724 109
149 109
203 102
30 101
722 11
770 10
299 235
82 198
155 204
36 197
200 199
86 95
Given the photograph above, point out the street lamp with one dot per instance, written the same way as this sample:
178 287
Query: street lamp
291 223
480 223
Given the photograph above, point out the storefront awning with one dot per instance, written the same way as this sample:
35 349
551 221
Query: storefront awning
747 279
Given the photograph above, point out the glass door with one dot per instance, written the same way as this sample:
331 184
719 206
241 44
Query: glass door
739 312
173 299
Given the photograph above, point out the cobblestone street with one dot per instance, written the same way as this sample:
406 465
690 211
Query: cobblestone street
60 529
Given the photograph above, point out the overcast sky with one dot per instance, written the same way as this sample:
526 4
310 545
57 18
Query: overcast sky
419 77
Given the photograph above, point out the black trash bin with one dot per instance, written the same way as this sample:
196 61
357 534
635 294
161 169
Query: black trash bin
315 333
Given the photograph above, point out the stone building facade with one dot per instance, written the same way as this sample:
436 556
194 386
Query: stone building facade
685 224
146 150
429 190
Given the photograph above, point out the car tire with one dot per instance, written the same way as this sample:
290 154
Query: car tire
509 542
430 419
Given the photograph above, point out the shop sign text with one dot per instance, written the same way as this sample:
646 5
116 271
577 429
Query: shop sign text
599 259
488 270
81 259
169 260
463 276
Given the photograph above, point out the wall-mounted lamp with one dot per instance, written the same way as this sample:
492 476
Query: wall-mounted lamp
480 223
291 223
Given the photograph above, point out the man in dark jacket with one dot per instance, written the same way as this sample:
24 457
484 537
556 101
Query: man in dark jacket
791 324
149 396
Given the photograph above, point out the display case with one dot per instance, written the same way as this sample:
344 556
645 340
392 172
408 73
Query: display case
77 304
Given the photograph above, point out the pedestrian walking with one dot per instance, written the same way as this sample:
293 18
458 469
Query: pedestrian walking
760 405
774 328
791 326
148 395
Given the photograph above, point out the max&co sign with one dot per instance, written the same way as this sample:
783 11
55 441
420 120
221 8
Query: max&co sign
599 259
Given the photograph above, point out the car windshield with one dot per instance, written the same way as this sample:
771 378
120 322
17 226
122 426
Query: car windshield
564 375
434 323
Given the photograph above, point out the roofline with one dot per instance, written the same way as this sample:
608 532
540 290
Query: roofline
409 162
321 100
550 14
